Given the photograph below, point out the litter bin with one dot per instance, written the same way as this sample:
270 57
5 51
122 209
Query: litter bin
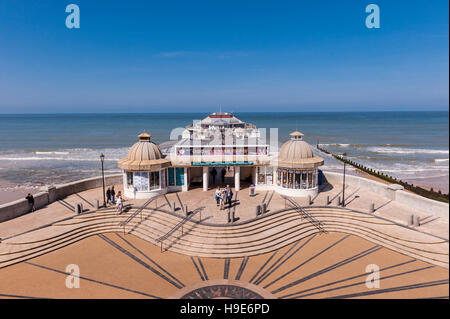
251 190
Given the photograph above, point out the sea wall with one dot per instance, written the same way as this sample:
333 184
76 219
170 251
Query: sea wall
53 193
393 192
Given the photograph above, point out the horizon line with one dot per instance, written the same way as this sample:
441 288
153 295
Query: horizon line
231 112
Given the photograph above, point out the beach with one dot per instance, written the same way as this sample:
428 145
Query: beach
10 191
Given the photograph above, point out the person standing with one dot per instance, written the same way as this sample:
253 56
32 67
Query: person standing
108 196
218 194
223 197
119 204
113 195
222 173
213 174
229 194
30 200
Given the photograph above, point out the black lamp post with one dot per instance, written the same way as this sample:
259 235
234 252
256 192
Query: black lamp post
343 183
102 159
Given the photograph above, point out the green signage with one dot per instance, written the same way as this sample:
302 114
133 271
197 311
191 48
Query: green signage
220 163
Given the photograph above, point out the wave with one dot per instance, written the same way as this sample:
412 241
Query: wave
398 150
75 154
57 153
54 159
365 145
415 169
336 144
389 148
439 160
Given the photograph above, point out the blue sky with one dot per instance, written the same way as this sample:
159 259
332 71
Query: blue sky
171 56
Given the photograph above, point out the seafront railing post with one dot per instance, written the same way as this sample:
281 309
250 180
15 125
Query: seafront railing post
343 182
102 159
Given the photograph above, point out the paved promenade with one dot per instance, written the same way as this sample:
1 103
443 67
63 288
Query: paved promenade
280 255
323 266
356 199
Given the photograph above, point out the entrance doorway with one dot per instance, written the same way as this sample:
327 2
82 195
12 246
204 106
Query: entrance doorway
221 175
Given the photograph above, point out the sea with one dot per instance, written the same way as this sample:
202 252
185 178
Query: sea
42 149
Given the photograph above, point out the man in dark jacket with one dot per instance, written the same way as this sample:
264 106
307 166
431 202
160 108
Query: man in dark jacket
222 173
30 200
108 195
229 195
113 195
213 174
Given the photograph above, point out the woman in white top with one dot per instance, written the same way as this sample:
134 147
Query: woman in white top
218 193
223 196
119 203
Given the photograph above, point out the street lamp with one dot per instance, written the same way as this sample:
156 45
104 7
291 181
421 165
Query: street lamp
102 159
343 183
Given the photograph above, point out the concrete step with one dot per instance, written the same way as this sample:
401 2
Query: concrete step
256 237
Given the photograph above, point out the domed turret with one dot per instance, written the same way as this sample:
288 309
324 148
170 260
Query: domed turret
144 156
296 153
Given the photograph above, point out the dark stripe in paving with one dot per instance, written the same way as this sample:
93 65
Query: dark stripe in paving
202 268
198 270
66 205
274 269
400 288
179 200
264 265
241 268
268 202
265 196
85 200
332 267
21 297
268 271
364 282
151 260
92 280
139 261
346 279
226 268
306 261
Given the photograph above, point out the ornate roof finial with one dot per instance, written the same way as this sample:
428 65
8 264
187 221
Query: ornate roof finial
144 136
296 135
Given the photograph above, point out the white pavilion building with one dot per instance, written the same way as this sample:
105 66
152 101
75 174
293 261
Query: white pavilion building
223 143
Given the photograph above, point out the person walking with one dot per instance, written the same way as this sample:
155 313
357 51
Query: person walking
113 195
229 194
30 200
108 196
213 174
218 194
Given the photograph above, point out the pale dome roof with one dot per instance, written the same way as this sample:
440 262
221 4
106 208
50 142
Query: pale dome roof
296 153
144 156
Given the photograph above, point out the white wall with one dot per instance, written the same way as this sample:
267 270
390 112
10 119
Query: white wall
21 207
414 201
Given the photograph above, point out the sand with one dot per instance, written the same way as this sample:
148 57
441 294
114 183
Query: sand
10 192
437 183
